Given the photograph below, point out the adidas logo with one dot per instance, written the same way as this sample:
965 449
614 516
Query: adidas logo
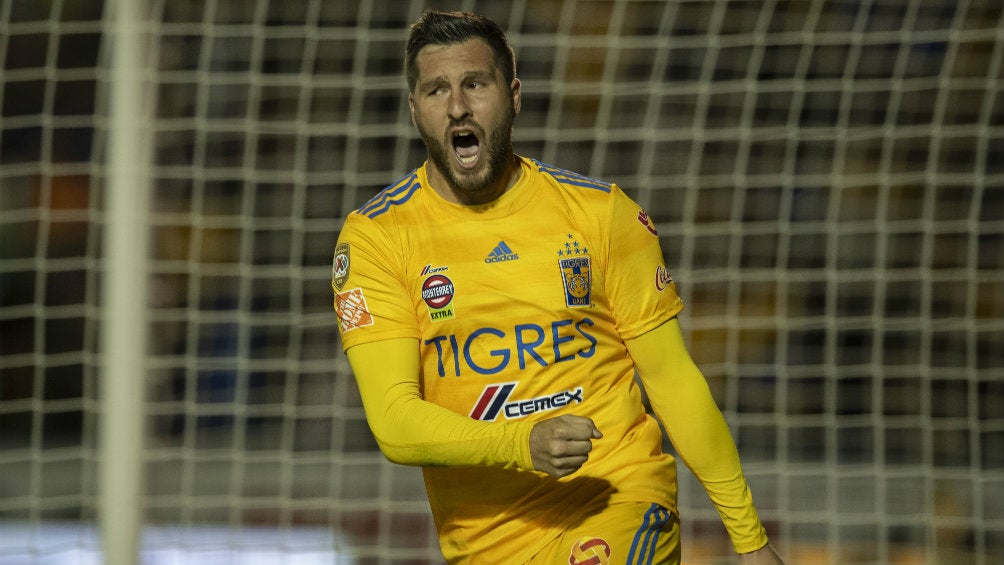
501 253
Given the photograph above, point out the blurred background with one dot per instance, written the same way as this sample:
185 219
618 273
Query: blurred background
827 178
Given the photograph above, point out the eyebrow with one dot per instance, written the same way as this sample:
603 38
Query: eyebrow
468 75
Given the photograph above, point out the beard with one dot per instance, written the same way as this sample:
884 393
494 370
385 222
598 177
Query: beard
496 149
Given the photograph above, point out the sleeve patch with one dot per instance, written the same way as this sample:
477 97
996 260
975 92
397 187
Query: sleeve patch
340 265
352 311
662 278
646 221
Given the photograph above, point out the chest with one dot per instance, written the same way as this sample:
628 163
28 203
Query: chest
468 276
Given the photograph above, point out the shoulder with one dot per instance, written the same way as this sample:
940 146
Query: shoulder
392 197
599 198
596 197
573 181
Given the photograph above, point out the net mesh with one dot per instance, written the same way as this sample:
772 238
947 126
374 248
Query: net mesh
826 178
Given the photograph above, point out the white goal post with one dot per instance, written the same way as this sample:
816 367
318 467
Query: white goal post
826 176
124 330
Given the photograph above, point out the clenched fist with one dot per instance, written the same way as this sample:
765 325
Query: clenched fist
560 445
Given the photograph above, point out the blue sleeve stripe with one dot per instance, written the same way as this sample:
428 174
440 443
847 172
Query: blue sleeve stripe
575 179
395 194
583 183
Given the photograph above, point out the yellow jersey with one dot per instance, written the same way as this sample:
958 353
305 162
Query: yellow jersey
521 308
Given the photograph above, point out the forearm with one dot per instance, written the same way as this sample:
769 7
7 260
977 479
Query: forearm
703 440
412 431
681 399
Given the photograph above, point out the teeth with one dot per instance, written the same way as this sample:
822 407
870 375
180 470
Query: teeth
465 147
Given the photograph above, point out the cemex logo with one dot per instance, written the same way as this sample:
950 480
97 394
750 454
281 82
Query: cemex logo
494 400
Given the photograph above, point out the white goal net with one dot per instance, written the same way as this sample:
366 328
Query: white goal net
827 178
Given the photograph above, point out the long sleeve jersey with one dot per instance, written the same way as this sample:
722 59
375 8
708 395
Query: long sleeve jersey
512 312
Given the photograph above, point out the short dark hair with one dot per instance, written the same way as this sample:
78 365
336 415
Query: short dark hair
452 28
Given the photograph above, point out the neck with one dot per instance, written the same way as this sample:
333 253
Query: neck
484 195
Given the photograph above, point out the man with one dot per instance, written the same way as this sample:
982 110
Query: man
494 310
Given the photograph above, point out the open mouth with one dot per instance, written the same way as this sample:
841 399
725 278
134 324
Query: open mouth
466 147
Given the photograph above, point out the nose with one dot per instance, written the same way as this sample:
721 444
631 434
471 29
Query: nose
459 108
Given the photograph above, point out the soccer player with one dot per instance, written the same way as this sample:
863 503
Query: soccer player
495 309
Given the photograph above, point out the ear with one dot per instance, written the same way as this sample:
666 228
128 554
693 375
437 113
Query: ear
411 108
517 97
